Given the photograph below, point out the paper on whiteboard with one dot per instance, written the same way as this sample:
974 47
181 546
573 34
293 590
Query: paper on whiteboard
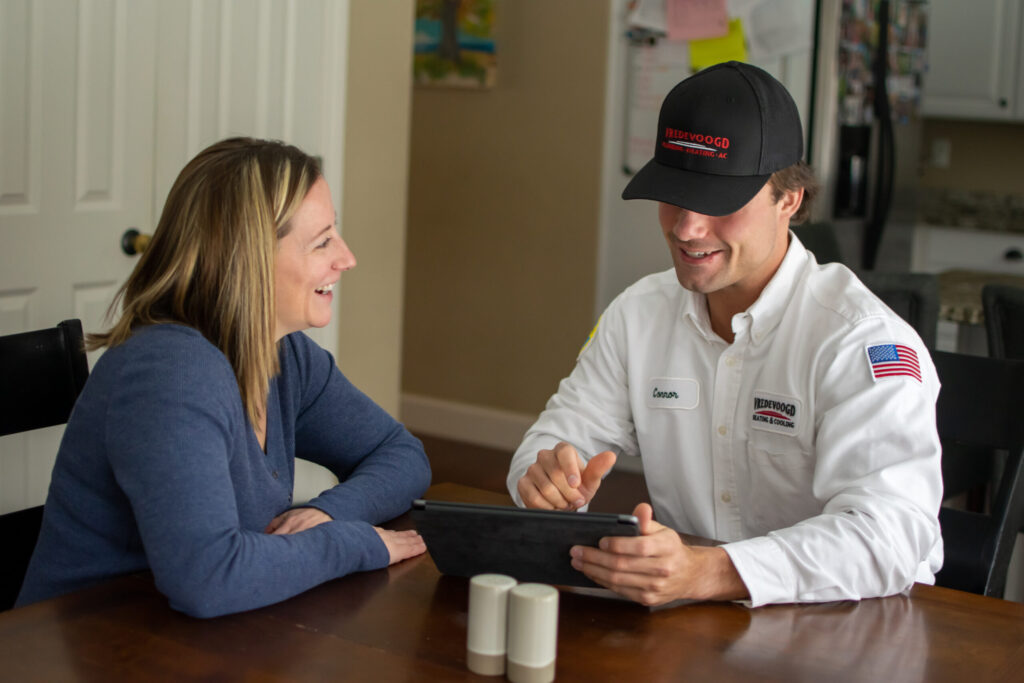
648 14
653 71
696 19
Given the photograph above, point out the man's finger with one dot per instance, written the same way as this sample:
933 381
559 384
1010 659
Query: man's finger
645 514
551 478
569 462
531 495
595 470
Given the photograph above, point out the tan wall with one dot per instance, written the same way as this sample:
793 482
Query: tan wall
504 195
374 195
985 156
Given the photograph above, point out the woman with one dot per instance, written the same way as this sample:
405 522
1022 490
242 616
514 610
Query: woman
180 453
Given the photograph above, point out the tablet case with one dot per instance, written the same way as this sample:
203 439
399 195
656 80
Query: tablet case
465 539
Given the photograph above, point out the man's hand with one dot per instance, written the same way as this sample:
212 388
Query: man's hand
657 567
561 480
296 520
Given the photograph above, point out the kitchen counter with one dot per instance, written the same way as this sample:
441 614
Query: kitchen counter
969 210
960 294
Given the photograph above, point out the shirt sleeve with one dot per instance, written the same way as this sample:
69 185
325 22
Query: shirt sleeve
381 467
878 475
591 407
170 433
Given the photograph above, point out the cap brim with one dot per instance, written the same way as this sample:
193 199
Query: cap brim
711 195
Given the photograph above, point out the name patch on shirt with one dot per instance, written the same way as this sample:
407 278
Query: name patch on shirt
675 393
775 413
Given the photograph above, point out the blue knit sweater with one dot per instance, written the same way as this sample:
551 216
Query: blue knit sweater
159 469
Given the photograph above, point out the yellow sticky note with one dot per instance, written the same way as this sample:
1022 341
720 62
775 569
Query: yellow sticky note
716 50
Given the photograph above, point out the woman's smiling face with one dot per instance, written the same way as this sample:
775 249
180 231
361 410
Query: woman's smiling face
308 263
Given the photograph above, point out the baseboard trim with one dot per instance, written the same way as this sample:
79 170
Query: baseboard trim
489 427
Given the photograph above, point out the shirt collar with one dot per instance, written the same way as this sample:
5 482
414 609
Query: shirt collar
766 311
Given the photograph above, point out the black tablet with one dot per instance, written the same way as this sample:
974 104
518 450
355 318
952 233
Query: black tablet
466 539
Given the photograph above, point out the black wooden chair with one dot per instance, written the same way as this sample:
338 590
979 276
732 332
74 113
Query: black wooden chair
820 240
1004 320
979 415
912 296
41 375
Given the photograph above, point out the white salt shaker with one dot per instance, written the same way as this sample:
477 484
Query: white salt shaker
486 628
532 633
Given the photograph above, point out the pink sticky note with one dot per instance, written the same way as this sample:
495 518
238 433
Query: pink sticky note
696 19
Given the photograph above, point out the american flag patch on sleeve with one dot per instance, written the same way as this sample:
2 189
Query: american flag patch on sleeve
893 360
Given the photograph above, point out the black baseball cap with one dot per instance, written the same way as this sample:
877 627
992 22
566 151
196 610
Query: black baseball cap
721 134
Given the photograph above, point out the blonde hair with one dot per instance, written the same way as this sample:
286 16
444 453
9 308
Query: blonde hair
791 179
210 264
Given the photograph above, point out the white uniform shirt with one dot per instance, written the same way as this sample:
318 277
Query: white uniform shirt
820 470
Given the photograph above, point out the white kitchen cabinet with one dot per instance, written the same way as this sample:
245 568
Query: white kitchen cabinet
939 249
975 61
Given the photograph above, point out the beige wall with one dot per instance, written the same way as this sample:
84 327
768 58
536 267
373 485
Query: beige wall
374 195
985 156
504 193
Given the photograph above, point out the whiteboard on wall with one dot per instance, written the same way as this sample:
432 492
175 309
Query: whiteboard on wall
653 69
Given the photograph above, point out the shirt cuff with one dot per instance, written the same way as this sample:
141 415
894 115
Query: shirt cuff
765 570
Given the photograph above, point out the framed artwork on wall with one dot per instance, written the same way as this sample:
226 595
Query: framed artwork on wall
454 43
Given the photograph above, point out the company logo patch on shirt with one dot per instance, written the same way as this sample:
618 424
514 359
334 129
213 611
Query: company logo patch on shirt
775 413
893 360
673 392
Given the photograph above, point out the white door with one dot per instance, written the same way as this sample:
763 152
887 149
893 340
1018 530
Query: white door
76 141
103 102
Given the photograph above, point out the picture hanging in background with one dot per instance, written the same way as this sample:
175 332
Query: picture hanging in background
454 43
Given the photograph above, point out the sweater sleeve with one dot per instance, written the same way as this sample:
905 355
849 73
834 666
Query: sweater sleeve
171 425
381 467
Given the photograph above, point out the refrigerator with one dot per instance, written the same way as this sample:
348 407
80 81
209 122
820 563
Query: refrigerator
864 133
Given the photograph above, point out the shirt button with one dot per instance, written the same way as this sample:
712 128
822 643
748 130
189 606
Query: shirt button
730 361
722 430
726 497
275 475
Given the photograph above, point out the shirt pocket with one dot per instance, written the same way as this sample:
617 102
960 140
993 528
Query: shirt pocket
779 482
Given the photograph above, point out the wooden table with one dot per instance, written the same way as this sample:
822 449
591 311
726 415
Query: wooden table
408 623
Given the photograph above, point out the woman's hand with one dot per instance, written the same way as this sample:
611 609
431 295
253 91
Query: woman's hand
296 520
401 545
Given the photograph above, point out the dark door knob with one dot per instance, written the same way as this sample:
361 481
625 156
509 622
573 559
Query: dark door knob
134 242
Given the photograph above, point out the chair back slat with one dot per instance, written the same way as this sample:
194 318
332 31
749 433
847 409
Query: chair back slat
41 372
912 296
1004 320
981 401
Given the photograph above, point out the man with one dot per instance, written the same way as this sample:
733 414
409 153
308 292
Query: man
777 405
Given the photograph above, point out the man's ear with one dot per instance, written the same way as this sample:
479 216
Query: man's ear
790 201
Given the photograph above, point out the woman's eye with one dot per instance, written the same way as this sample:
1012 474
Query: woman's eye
323 245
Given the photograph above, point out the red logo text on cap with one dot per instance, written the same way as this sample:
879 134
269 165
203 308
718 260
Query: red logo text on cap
701 144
